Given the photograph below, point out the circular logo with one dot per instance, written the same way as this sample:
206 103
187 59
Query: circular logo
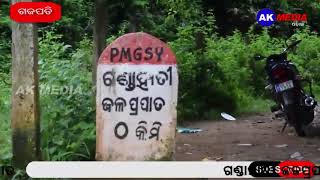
266 17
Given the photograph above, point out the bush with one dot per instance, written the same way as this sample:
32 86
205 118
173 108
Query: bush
68 126
5 130
225 77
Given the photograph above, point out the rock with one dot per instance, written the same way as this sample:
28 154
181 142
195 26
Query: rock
189 153
206 159
186 144
281 145
218 158
296 155
299 158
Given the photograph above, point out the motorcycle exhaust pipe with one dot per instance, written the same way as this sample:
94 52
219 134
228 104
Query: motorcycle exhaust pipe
309 101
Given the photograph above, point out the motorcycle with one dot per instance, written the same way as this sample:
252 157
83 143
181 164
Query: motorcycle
285 84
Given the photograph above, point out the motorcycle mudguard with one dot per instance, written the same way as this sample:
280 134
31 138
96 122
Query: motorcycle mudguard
288 98
306 114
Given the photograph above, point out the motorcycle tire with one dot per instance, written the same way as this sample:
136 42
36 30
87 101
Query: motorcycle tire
299 130
292 113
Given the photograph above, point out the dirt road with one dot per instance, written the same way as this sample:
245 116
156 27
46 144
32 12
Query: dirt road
220 140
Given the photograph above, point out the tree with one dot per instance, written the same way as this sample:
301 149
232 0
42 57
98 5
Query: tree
25 96
99 34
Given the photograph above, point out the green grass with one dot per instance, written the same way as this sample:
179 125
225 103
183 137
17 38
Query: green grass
316 92
250 106
5 129
255 105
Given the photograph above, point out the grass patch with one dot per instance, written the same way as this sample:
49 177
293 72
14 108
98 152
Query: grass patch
255 105
316 92
5 129
249 106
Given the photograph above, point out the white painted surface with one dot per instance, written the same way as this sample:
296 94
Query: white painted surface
131 147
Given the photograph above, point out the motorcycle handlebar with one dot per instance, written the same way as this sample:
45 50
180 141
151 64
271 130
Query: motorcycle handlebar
292 45
259 57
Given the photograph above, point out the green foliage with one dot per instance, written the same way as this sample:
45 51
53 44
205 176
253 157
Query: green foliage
216 73
225 76
68 126
4 19
5 44
77 18
307 55
5 130
5 91
5 56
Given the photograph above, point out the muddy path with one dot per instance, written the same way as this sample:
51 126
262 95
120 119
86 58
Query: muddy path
260 134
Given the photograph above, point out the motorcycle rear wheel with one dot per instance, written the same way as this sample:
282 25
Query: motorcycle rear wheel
292 113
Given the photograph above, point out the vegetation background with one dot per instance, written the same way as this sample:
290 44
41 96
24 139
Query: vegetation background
214 41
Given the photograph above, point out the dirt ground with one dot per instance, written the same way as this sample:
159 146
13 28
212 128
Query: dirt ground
220 140
260 133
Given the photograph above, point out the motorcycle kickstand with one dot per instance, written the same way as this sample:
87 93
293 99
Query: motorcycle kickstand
284 127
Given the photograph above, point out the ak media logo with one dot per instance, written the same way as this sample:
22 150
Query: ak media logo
267 17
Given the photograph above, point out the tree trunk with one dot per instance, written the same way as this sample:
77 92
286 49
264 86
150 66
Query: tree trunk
25 95
133 23
99 35
200 41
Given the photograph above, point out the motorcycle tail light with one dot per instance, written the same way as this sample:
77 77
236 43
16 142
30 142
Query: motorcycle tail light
280 74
